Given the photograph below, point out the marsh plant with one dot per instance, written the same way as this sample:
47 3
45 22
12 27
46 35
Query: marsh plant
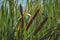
37 20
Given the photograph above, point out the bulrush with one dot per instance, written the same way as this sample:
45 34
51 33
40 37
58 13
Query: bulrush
40 25
21 10
22 20
21 23
32 18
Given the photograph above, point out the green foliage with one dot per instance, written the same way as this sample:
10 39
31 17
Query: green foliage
10 20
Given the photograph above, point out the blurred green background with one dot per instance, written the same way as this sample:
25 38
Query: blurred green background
10 15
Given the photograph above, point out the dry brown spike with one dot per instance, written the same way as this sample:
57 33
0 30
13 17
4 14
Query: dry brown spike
21 10
40 25
32 18
22 20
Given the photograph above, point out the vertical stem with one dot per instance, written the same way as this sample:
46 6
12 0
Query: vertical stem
21 22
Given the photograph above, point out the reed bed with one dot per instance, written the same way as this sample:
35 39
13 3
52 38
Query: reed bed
40 20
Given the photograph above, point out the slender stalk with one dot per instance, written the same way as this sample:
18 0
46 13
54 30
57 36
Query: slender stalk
52 33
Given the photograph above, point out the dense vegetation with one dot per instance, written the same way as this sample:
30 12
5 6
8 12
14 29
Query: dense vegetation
40 20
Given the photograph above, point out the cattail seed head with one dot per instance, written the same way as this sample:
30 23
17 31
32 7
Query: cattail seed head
21 10
40 25
32 18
